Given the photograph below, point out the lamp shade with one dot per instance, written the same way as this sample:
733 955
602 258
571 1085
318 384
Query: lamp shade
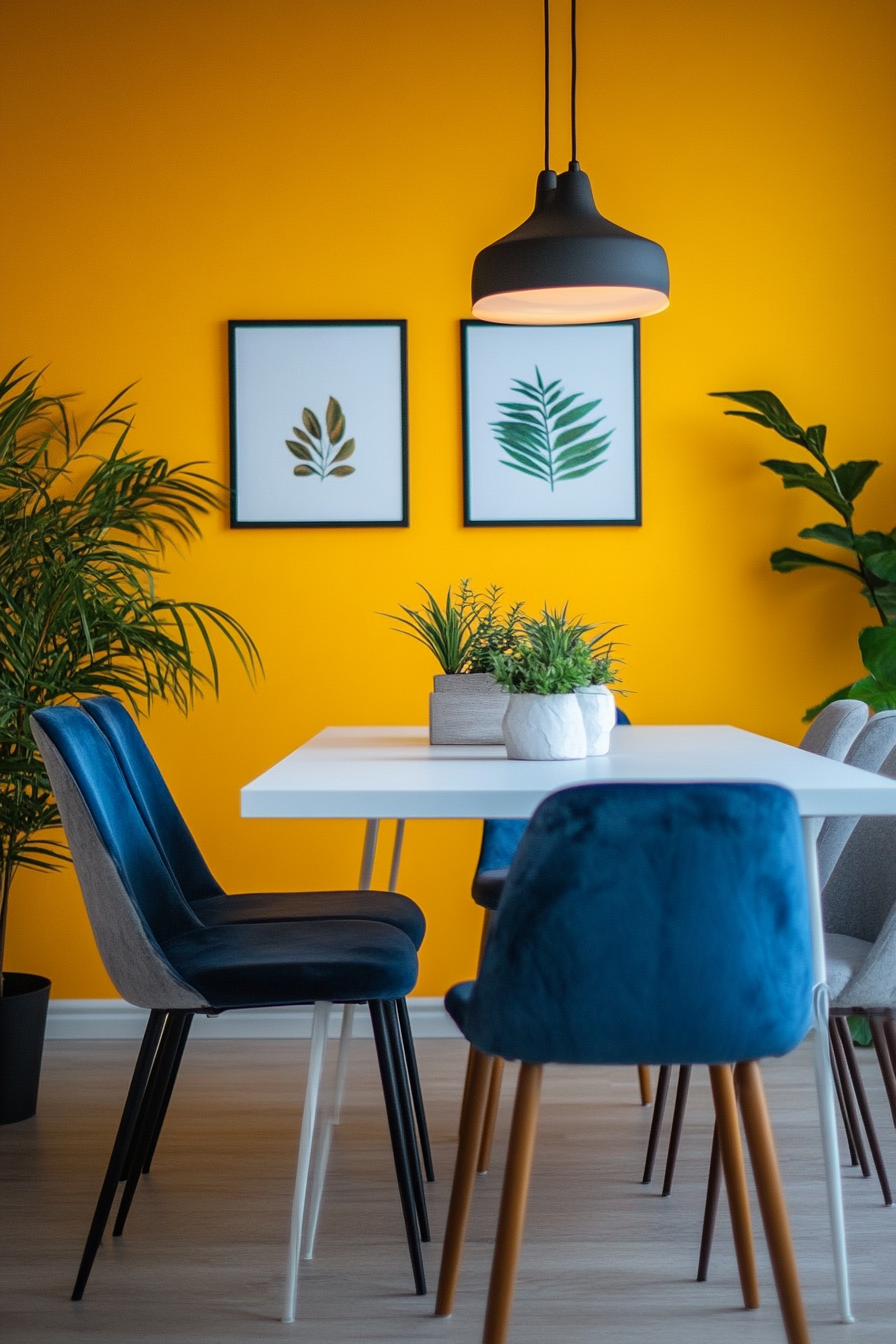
567 264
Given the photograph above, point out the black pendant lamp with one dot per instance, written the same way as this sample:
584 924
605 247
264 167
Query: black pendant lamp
566 263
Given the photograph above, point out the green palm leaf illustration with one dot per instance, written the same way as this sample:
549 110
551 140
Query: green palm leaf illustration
319 457
547 435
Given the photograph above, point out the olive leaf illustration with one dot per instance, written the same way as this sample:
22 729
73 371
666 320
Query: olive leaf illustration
544 436
316 457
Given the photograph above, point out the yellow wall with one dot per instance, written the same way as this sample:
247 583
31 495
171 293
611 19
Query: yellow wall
173 163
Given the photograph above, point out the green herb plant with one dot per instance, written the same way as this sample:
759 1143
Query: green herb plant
544 436
317 458
82 534
553 657
872 554
463 631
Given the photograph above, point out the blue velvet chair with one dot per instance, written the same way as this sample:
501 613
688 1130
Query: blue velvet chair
664 923
160 956
212 906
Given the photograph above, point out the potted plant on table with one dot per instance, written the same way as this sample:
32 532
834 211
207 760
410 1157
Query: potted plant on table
81 537
465 632
560 705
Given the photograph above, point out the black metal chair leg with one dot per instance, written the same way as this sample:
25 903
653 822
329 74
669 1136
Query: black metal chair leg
848 1096
120 1148
713 1186
841 1102
410 1056
149 1113
407 1120
656 1123
855 1074
681 1102
399 1150
175 1069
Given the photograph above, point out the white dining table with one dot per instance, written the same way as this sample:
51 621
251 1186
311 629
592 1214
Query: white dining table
378 773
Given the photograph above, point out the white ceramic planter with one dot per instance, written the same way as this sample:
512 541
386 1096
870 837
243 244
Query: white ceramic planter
599 715
544 728
466 710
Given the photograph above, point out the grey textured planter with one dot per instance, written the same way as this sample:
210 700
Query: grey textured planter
466 710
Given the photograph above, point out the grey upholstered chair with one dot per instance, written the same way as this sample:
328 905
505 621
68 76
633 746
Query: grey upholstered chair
869 751
859 902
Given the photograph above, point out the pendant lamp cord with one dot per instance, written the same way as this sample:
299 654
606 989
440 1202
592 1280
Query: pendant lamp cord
575 65
547 85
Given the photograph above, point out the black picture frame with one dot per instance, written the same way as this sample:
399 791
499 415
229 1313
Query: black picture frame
474 434
239 450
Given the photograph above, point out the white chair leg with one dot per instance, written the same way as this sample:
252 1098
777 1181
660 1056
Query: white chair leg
309 1113
322 1156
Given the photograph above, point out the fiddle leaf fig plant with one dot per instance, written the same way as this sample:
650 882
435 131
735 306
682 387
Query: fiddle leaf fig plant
83 532
871 555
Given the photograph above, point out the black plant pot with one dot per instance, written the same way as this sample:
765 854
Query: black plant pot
23 1019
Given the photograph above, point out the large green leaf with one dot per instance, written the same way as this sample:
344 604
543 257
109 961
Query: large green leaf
878 647
853 476
799 475
883 565
787 560
833 534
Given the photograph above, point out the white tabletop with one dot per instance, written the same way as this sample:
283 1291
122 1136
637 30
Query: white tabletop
394 772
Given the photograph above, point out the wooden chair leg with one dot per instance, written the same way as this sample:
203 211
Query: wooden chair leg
472 1113
722 1080
491 1116
763 1158
656 1122
513 1204
644 1084
711 1208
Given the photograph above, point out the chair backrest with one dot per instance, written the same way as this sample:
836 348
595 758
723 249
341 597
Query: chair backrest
154 801
834 730
650 923
133 903
861 890
501 837
869 752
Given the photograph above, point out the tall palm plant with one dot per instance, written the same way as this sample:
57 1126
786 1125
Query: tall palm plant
82 538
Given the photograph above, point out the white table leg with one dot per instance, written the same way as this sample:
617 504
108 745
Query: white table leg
824 1080
396 856
309 1113
371 834
322 1155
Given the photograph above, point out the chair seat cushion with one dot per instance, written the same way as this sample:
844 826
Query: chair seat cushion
262 907
487 887
844 956
302 961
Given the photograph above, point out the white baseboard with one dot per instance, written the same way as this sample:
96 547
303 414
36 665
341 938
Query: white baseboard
115 1020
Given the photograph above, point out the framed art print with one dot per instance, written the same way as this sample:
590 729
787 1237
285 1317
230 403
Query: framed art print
318 424
552 430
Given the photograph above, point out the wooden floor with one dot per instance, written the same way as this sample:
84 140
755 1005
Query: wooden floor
604 1258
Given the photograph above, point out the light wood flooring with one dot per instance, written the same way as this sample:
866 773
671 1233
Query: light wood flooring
605 1259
